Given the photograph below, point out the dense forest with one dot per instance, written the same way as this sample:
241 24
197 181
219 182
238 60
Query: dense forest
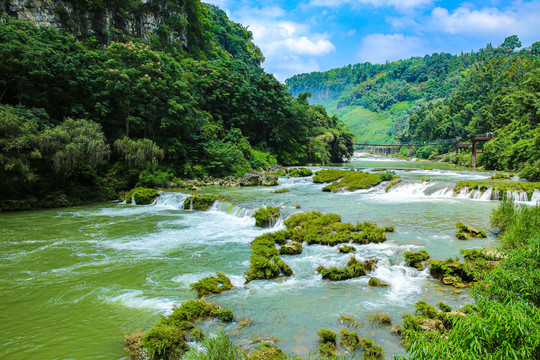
86 109
442 96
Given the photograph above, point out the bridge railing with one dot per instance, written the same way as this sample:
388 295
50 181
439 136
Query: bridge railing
395 143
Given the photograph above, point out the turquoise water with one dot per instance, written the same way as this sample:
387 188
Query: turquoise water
75 280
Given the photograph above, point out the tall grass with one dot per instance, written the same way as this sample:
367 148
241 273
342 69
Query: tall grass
506 324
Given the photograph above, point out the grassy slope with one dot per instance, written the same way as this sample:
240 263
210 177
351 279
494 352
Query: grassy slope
365 124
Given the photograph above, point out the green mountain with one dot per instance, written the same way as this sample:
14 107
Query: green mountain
95 94
442 96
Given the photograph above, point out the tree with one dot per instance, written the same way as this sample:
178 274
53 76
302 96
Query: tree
73 145
510 43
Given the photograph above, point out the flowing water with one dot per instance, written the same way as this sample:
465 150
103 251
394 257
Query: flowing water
75 280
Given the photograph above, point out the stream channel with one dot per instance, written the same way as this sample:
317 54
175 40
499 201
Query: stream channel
75 280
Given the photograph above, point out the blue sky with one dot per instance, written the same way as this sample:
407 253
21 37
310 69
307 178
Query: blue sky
318 35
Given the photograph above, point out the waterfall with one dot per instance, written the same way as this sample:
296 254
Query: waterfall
232 209
172 200
535 198
486 196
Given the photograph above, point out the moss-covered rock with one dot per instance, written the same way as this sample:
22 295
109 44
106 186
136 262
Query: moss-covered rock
327 229
291 248
300 172
468 232
212 285
346 249
417 259
266 217
347 180
376 282
201 202
353 269
141 196
283 268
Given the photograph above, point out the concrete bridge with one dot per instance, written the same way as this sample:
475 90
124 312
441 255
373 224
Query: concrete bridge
388 148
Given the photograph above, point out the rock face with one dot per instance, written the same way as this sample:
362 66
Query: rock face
83 20
255 179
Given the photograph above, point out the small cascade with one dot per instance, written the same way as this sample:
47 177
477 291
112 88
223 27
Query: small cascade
133 200
464 193
535 198
517 195
232 209
172 200
486 196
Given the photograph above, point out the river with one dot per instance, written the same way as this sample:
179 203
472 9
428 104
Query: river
75 280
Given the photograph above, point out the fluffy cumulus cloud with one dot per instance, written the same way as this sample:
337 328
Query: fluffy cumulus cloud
289 47
399 4
518 17
467 21
378 48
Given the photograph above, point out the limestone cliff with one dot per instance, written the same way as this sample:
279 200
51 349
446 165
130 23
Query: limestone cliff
109 20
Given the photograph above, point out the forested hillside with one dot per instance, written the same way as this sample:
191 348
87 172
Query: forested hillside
442 96
86 109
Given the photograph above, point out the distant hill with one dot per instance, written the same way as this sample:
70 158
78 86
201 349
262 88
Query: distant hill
376 101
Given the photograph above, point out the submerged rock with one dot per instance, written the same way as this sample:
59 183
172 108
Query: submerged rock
468 232
376 282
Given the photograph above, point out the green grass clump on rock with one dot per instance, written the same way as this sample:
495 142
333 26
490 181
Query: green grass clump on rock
300 172
376 282
327 229
265 217
212 285
167 339
281 191
468 232
201 202
416 259
349 339
353 269
349 180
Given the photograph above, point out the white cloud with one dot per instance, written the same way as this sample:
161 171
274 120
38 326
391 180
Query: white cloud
289 47
378 48
399 4
519 18
467 21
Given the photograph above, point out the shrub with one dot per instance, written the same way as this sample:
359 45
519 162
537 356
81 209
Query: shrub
142 196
